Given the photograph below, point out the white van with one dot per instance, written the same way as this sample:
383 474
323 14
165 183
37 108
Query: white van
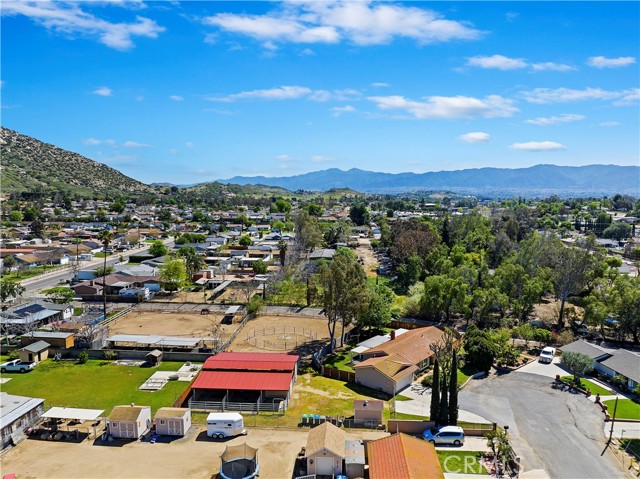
547 354
225 424
451 435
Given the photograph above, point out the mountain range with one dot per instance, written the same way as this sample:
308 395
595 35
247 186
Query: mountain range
31 166
533 181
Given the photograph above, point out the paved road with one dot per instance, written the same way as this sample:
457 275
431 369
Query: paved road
37 283
553 430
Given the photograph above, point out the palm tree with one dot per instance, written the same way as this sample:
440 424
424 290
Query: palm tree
105 237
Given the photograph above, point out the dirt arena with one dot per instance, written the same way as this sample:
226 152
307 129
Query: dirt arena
299 334
173 324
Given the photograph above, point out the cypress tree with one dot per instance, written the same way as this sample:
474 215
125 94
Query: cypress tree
444 399
434 411
453 391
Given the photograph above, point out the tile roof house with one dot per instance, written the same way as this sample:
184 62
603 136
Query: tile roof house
390 366
402 457
325 450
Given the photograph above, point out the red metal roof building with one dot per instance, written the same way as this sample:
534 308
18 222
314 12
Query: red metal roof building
252 362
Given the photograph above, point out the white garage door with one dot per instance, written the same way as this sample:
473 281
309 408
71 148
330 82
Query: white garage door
324 466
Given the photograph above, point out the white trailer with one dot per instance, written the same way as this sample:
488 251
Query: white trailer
225 424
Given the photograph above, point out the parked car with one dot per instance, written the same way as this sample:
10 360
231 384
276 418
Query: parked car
547 354
453 435
15 366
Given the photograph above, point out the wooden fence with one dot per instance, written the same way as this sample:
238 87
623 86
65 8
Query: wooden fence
333 373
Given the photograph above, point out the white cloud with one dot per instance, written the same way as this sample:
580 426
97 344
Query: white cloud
475 137
188 144
380 85
362 23
551 66
134 144
610 124
67 18
439 107
339 110
498 62
321 159
564 95
289 92
538 146
103 91
176 97
307 52
603 62
284 158
629 97
96 142
554 120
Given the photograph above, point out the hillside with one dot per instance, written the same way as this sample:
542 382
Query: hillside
29 165
536 180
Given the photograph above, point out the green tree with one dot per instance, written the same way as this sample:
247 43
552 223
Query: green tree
343 286
578 363
103 270
434 409
453 391
410 272
10 289
315 210
308 234
59 294
173 274
260 267
359 214
480 349
157 249
193 260
377 314
281 206
245 241
617 231
15 215
9 262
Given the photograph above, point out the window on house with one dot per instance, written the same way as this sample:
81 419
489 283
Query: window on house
114 424
162 422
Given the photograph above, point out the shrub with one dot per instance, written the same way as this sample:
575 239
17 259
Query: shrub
83 357
255 305
618 381
427 381
110 355
13 354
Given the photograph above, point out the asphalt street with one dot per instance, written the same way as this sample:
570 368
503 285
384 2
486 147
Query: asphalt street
558 431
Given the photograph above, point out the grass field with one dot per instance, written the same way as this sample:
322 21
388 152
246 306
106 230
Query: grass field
586 384
631 446
340 360
96 385
462 462
29 273
627 408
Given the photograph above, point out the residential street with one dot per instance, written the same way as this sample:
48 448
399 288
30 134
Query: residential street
554 430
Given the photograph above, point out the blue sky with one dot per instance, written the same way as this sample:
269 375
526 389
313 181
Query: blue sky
186 92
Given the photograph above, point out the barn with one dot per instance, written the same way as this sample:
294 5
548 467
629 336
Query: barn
172 421
129 422
249 378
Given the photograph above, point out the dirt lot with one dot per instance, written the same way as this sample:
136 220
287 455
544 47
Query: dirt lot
298 334
365 252
194 456
172 324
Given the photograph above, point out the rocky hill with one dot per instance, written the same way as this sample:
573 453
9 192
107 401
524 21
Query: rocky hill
29 165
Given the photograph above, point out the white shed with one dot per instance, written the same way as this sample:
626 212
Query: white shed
129 422
173 421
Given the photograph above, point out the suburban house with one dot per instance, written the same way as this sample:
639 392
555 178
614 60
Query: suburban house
390 366
265 378
30 316
325 450
401 456
129 422
172 421
372 342
35 352
17 413
610 362
115 283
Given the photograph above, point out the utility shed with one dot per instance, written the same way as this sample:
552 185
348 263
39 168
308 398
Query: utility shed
54 338
173 421
36 352
368 410
325 450
129 422
154 358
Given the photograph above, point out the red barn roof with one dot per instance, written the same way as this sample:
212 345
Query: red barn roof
243 381
252 362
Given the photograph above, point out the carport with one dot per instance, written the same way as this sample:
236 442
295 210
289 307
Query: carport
72 419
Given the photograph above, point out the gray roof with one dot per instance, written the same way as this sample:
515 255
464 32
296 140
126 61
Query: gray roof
584 347
51 334
37 347
322 254
13 407
626 363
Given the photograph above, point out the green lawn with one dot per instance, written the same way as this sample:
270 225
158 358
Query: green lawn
586 384
96 384
462 462
627 408
340 360
29 273
632 446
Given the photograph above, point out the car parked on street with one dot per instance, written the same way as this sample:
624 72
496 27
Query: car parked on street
451 435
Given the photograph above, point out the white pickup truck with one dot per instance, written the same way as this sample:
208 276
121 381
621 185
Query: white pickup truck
16 366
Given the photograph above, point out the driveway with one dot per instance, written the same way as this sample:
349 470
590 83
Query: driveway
553 430
544 369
